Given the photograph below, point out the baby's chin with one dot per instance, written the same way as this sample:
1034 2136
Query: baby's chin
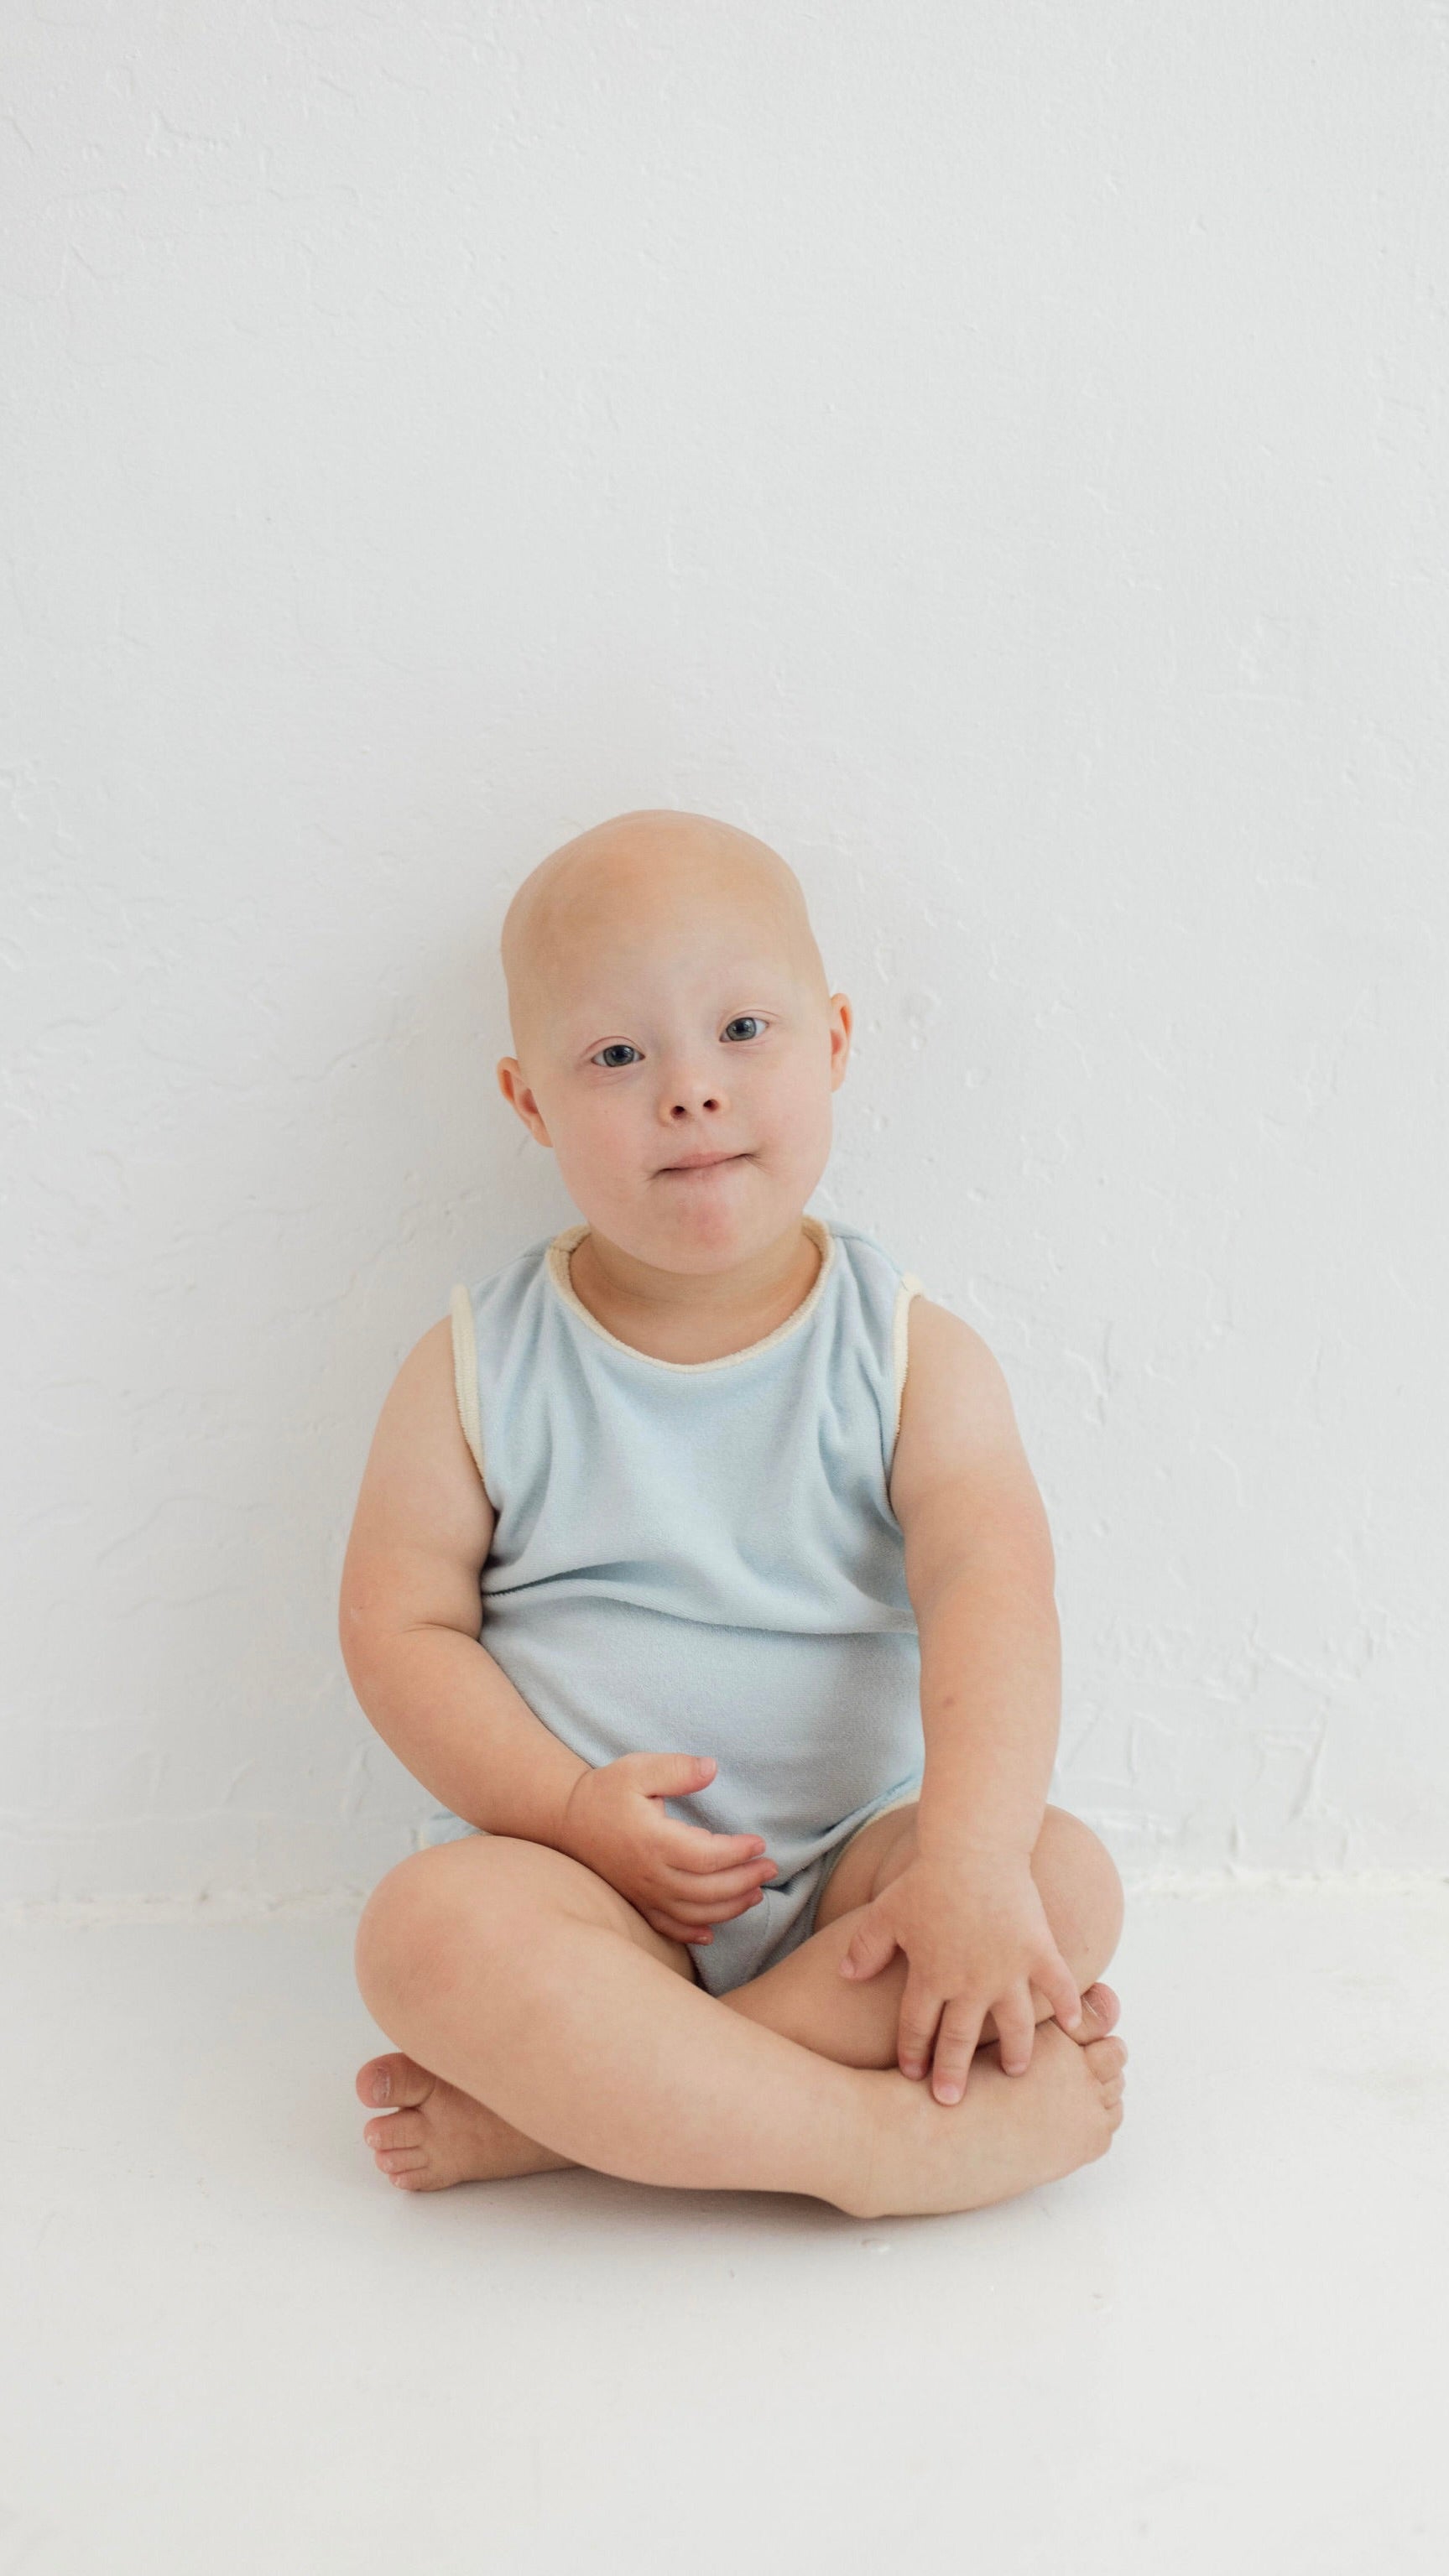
700 1221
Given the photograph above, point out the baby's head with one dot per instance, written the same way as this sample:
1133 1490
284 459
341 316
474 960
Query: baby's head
677 1041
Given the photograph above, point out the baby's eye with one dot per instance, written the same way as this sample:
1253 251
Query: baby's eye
617 1054
745 1026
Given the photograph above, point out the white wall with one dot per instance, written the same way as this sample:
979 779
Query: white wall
997 455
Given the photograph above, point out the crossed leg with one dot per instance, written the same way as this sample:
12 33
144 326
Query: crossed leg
511 1975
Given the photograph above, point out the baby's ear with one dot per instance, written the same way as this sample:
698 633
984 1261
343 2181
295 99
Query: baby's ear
842 1021
516 1092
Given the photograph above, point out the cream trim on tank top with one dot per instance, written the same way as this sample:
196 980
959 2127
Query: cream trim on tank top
465 1344
900 1343
558 1270
465 1371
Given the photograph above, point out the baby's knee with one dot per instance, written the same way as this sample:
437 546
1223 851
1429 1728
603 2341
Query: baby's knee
430 1906
1081 1890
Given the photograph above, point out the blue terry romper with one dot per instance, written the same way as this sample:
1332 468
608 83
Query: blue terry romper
701 1557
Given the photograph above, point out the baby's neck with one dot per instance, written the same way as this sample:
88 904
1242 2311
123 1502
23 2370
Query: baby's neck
680 1316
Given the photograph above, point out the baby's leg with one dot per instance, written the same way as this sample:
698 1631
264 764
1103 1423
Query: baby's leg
526 1982
805 1997
446 2137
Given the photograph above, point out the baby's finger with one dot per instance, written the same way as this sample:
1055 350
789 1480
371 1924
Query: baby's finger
1015 2028
956 2045
693 1847
916 2028
674 1931
709 1884
1055 1980
707 1913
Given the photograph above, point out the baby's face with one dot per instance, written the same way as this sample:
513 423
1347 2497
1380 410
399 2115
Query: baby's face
678 1051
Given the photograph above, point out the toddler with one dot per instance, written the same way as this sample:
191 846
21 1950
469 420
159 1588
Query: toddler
698 1572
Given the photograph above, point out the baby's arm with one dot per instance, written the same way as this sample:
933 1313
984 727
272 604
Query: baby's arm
408 1622
980 1571
409 1617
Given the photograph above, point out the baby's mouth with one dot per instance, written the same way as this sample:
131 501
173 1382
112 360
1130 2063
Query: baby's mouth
691 1164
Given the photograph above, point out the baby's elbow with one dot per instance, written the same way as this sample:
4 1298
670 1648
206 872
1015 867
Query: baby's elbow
359 1635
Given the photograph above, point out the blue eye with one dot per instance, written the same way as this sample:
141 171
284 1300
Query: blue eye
745 1025
616 1054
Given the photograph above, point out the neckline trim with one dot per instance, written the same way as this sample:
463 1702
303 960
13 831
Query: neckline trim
557 1268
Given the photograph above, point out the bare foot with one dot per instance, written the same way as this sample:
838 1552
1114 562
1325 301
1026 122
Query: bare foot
1007 2134
438 2136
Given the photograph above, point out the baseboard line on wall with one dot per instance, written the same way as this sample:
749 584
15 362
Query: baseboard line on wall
227 1905
1284 1882
243 1905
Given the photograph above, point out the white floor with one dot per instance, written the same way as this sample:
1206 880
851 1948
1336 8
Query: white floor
232 2348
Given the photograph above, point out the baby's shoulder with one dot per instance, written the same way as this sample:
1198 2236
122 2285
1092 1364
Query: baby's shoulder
419 1485
958 1426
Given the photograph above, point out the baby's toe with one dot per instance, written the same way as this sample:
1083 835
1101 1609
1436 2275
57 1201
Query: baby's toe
395 2129
396 2160
394 2078
1105 2061
1106 2058
1100 2009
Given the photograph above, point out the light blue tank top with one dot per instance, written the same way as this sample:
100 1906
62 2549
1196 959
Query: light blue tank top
701 1556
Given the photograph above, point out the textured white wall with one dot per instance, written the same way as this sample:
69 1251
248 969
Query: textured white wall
1000 456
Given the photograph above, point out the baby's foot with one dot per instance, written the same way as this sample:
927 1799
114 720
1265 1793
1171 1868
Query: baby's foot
1006 2135
438 2136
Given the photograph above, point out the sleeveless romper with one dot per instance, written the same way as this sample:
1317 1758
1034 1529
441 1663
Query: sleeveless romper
701 1557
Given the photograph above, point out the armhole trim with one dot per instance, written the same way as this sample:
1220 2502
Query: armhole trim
465 1374
900 1346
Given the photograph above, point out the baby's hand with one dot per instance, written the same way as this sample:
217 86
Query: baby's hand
681 1877
977 1941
